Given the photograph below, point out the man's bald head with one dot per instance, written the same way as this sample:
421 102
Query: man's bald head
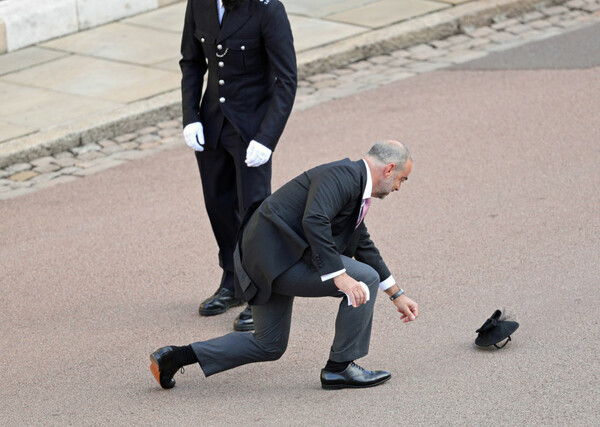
390 151
390 164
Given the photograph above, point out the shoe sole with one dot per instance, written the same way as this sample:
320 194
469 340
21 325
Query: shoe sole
208 313
341 386
242 328
154 369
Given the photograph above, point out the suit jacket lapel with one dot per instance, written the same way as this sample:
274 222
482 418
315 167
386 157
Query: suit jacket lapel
234 20
210 17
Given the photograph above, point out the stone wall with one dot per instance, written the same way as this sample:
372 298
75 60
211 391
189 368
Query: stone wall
27 22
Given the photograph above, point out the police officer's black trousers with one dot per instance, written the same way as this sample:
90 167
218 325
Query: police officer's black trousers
229 187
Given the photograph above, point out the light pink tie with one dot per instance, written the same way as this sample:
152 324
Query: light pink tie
363 212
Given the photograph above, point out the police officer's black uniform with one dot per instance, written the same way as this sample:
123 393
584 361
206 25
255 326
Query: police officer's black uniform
252 80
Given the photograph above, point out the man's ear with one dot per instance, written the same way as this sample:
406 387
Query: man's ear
389 169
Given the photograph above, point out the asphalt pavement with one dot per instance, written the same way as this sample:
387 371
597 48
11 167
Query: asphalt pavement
501 211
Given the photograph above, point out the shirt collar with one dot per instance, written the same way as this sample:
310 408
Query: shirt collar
369 186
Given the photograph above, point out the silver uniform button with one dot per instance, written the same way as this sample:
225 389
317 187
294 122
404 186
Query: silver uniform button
221 82
219 46
221 64
243 48
221 100
202 39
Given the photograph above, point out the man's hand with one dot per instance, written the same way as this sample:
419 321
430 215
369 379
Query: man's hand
408 308
194 136
352 288
257 154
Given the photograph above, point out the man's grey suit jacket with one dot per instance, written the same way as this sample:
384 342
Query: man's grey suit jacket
312 217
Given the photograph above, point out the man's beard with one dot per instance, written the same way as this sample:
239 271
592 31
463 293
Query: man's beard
385 188
230 4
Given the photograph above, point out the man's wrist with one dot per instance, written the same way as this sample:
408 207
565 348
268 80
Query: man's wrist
387 284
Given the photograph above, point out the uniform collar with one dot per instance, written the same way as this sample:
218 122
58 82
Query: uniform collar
234 21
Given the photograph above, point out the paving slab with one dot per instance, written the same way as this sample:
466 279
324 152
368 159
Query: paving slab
39 108
386 12
169 18
171 64
319 8
11 130
28 57
121 42
91 13
311 32
92 77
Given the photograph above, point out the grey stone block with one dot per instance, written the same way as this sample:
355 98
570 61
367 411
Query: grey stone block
3 45
18 167
78 151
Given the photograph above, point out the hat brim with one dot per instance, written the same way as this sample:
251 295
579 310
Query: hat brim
499 333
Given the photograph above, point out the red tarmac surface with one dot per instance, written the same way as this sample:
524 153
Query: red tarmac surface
501 210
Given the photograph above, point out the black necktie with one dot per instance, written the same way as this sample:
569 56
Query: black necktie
224 16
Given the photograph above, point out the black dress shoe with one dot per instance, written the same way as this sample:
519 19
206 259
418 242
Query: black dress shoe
163 367
219 303
353 377
244 322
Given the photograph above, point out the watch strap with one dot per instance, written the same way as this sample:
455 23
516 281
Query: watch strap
397 294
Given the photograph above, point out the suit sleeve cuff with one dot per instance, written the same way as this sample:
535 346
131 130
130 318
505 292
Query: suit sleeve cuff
387 283
326 277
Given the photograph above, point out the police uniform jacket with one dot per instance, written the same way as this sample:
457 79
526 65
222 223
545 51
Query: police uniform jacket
251 66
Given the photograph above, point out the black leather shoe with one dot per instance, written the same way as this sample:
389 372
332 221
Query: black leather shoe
163 367
219 303
353 377
244 322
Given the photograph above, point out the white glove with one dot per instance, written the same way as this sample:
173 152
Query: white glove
257 154
194 136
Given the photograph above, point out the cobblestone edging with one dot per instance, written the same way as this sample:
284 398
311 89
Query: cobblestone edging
502 34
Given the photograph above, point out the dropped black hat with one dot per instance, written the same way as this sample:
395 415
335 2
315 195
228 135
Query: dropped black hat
494 330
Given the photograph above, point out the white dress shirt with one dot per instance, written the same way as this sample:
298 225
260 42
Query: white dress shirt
221 10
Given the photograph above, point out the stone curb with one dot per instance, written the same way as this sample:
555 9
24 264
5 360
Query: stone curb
167 106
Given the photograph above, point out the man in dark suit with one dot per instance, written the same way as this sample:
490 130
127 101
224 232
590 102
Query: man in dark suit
309 239
246 47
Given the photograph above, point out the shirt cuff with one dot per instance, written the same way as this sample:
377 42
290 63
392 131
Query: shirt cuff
387 283
326 277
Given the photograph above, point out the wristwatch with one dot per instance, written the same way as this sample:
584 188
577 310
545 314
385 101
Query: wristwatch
397 294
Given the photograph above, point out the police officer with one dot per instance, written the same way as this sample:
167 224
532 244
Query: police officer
246 46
